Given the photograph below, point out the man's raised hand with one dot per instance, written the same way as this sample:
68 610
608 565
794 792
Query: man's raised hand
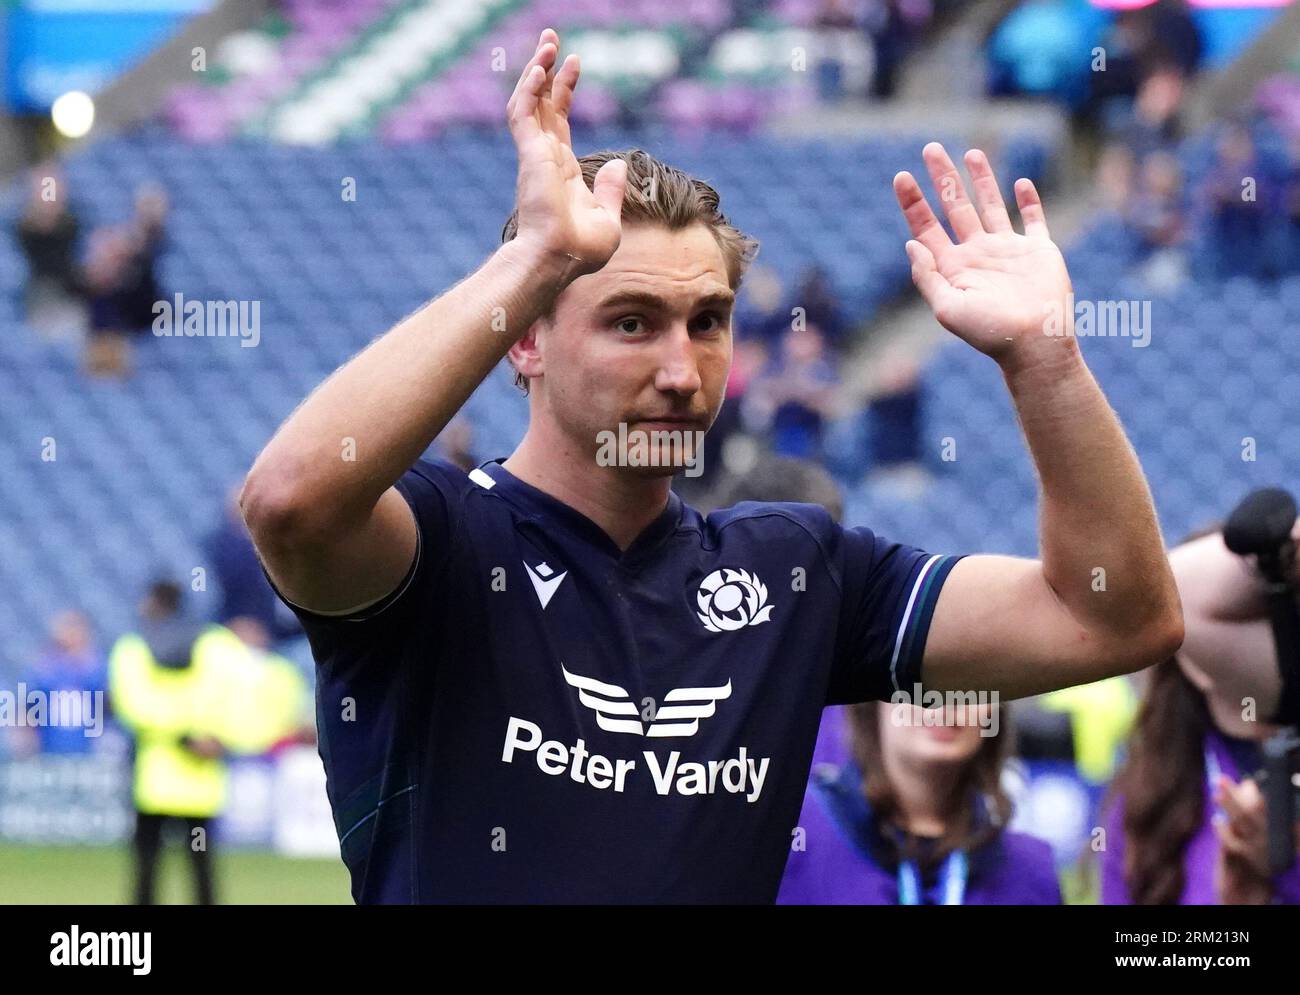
993 288
557 213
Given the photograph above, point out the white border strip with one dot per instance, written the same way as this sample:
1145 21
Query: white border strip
907 616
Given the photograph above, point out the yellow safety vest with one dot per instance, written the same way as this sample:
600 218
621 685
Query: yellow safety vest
1101 715
160 705
277 704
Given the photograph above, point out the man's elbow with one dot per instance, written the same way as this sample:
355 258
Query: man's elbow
1167 634
275 511
1155 641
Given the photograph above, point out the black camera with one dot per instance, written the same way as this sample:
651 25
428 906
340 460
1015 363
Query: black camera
1260 526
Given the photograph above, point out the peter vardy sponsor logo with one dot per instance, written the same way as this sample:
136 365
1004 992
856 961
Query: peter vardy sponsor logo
77 949
738 775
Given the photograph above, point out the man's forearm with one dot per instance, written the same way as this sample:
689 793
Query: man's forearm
1101 546
355 435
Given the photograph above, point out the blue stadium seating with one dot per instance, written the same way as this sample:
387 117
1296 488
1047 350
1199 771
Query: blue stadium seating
1222 366
142 467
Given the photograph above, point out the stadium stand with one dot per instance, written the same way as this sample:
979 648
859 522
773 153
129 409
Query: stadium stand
266 222
145 464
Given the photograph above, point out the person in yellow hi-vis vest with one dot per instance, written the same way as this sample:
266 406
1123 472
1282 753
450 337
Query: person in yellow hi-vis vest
185 689
285 712
1101 716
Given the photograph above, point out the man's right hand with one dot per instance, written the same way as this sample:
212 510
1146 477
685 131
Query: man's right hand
558 214
334 533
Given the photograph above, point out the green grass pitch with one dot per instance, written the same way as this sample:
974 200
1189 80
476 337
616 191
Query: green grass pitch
59 875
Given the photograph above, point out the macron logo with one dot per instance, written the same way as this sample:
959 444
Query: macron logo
543 583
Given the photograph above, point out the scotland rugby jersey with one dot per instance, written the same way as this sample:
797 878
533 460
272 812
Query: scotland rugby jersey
537 716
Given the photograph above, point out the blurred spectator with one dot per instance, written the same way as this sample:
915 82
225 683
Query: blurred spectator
107 268
760 313
245 591
863 43
1036 50
1291 203
1138 43
70 664
148 231
122 283
781 479
1124 47
748 360
894 415
172 686
916 816
894 26
47 233
1151 126
1086 725
1174 34
1155 124
1162 847
1195 753
284 710
820 302
1239 220
845 63
1157 214
796 393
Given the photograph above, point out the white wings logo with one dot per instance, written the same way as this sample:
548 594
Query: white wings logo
615 711
732 599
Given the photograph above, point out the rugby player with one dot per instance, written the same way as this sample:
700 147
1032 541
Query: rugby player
548 679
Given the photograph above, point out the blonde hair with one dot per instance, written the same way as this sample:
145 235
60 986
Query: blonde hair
660 194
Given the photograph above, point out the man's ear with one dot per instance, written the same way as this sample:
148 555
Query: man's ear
526 355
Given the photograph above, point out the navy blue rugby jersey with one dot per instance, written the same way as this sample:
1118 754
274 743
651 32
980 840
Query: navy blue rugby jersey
537 716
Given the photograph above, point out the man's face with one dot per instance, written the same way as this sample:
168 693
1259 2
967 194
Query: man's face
644 341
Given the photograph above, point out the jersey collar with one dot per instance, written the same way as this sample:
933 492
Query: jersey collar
548 509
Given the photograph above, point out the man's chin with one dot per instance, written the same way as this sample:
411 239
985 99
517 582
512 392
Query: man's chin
652 472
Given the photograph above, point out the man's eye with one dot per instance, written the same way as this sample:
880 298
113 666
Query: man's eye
708 322
631 326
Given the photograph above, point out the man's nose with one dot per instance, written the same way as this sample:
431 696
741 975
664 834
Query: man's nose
678 372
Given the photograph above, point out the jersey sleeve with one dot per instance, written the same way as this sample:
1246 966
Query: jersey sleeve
889 591
429 490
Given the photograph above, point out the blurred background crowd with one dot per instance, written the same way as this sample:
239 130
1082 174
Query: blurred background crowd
339 163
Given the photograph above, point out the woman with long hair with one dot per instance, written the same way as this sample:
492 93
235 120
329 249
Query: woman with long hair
918 816
1184 820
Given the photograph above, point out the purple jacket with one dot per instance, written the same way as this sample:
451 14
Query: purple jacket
839 866
832 737
1201 855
